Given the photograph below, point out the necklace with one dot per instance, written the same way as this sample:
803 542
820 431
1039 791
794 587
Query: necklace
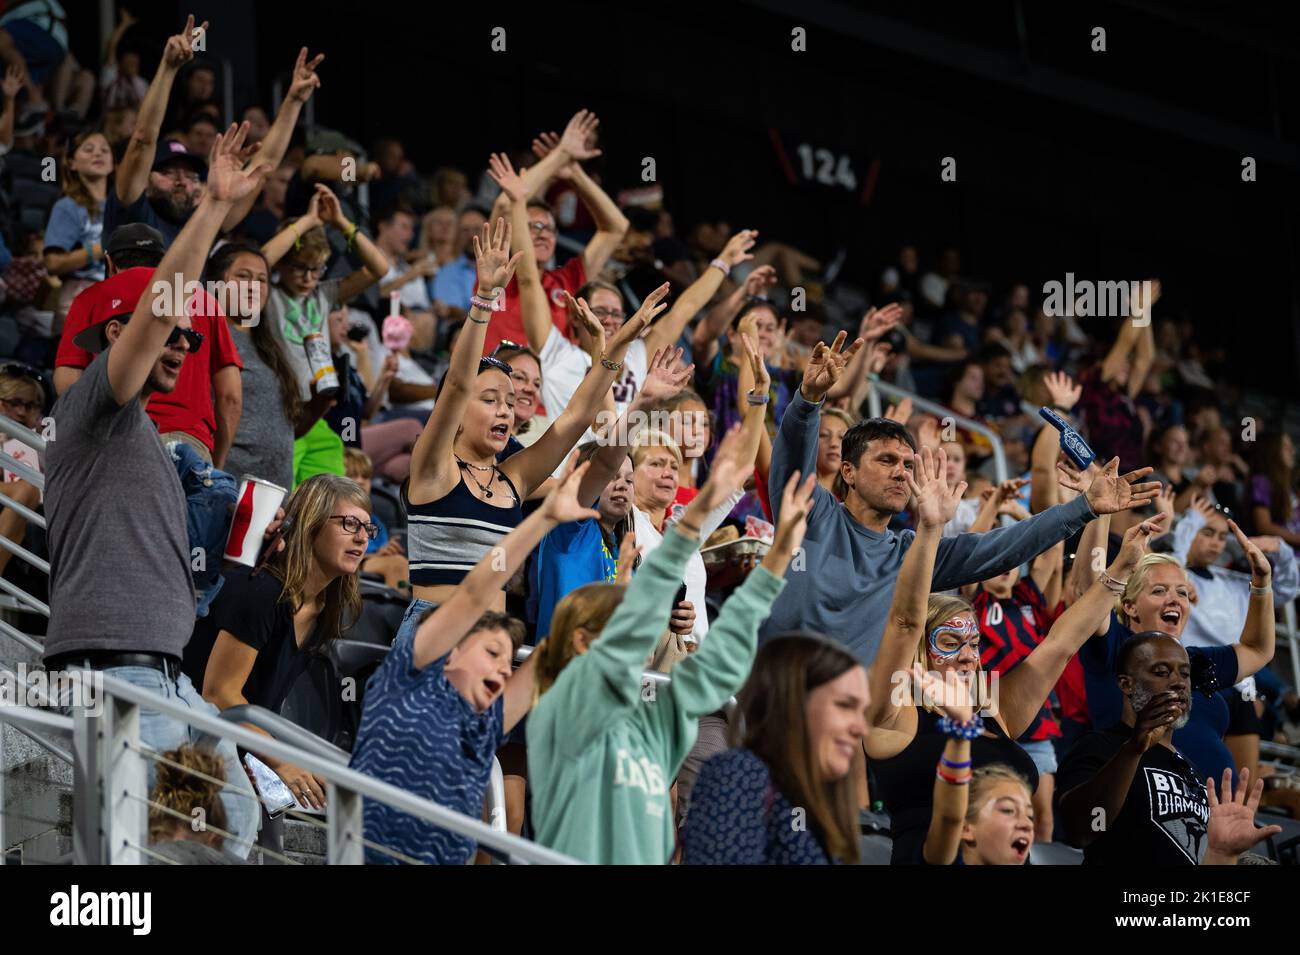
485 488
476 467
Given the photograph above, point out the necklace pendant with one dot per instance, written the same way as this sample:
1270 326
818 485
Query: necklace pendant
487 492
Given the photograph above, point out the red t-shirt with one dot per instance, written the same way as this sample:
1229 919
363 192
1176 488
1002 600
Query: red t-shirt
188 408
509 324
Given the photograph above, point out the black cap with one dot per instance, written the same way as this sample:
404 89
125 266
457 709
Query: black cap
172 150
137 237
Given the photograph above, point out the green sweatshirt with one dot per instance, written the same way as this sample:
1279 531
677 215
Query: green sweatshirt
601 754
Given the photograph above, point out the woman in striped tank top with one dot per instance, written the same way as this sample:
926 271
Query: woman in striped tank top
459 500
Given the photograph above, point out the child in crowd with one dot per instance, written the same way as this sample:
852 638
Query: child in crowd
384 555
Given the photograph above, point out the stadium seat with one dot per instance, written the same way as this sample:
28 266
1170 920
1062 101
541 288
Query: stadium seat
315 702
1283 848
382 609
386 504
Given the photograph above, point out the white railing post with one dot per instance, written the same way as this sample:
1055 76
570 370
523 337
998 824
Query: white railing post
345 824
126 789
87 786
1288 615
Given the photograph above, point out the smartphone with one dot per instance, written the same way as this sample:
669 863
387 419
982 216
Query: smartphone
270 546
270 787
357 333
681 595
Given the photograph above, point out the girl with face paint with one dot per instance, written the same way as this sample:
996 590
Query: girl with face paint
938 634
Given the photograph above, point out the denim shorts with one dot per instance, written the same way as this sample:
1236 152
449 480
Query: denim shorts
1043 753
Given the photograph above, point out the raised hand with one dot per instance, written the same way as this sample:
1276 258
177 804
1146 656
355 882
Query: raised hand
543 145
878 321
901 412
935 502
878 358
492 259
1136 540
1010 489
759 280
1261 571
725 476
576 133
650 308
665 376
388 371
762 377
1106 489
503 174
737 248
580 314
1165 503
1202 504
13 81
561 505
1062 390
180 48
305 81
228 180
1232 828
826 365
328 208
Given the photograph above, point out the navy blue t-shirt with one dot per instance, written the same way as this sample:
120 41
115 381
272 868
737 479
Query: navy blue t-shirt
1201 740
418 733
142 210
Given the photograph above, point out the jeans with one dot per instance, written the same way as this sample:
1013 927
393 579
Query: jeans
162 733
411 619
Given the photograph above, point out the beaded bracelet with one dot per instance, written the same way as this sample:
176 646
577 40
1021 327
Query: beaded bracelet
968 730
953 780
614 366
497 304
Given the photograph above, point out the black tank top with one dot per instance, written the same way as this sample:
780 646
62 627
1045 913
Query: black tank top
906 781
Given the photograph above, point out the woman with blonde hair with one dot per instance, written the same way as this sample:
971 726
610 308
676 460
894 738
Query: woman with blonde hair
267 621
937 633
180 796
603 751
439 235
73 248
1157 597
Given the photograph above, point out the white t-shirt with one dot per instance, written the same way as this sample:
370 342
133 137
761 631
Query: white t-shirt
696 578
414 294
564 365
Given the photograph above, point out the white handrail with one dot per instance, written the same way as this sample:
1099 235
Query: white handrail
924 404
342 777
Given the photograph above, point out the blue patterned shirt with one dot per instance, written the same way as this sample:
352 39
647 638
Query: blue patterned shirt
417 732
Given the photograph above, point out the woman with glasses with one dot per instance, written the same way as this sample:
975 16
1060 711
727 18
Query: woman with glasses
298 308
22 399
266 622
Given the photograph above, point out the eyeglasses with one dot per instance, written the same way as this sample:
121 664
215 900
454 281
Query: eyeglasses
176 174
541 228
609 313
21 404
192 338
489 361
306 271
352 525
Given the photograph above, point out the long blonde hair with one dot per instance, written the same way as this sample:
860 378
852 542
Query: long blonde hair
1137 582
310 506
588 607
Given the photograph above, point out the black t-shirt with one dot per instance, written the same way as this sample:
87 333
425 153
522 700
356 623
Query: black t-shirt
142 210
250 608
1164 817
906 782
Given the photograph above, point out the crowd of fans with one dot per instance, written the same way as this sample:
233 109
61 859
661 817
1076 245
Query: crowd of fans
564 431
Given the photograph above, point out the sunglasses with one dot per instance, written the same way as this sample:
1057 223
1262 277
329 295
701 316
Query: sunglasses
488 361
192 338
507 345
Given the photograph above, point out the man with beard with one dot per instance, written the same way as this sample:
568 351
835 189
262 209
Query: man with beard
1130 798
160 183
121 591
845 583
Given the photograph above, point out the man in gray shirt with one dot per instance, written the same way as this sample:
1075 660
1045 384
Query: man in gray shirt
121 593
845 583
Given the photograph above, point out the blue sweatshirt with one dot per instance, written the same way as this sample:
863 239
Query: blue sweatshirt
844 584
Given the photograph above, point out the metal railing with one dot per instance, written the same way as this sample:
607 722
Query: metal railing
897 394
110 800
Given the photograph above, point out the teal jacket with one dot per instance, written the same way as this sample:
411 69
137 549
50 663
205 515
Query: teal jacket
603 750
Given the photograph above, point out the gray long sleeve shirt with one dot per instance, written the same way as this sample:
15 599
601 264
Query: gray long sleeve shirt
843 583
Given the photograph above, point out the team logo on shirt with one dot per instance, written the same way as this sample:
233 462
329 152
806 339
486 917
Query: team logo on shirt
645 775
1180 811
